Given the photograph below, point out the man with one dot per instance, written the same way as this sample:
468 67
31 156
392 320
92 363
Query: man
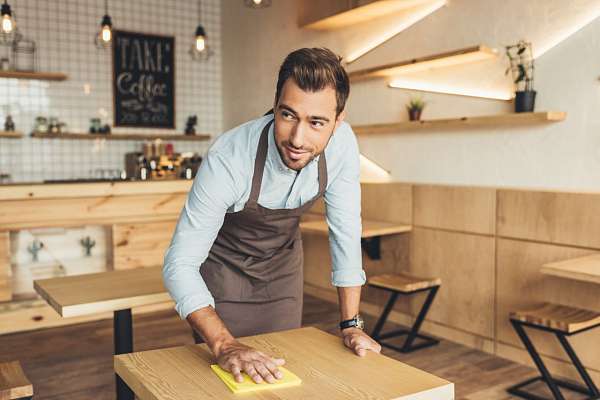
240 222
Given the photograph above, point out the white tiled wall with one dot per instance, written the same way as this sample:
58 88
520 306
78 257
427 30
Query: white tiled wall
64 32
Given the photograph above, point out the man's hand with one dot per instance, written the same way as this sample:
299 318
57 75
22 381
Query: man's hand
236 358
359 341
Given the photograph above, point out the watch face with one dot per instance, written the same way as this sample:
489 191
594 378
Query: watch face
360 324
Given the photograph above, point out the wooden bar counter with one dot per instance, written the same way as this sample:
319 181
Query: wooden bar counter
139 217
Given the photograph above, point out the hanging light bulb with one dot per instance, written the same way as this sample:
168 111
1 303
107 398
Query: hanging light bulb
200 49
104 37
257 3
8 31
200 39
8 22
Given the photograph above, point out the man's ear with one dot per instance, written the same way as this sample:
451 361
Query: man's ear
339 119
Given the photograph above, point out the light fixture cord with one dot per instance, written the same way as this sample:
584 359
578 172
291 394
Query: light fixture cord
106 7
199 11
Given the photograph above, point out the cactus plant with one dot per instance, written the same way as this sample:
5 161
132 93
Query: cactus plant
35 248
87 243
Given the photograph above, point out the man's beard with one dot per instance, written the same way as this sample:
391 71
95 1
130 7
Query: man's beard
296 165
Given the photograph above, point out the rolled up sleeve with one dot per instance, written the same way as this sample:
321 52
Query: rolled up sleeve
343 206
212 193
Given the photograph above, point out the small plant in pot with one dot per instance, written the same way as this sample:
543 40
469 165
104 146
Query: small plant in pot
415 107
521 67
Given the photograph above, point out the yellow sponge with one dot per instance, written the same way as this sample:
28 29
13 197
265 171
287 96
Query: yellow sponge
248 385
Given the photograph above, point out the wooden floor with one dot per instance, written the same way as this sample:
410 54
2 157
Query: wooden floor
75 362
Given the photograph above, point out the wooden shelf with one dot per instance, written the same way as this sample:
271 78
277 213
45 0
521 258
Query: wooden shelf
44 76
369 228
451 58
11 134
489 120
121 136
586 269
375 9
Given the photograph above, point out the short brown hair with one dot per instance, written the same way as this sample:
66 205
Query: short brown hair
313 70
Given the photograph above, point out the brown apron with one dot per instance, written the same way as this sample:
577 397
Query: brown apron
254 268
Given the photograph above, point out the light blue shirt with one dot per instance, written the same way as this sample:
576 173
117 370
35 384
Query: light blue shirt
223 185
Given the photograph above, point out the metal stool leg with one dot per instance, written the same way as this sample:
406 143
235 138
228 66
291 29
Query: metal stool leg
413 332
386 311
592 388
546 377
123 337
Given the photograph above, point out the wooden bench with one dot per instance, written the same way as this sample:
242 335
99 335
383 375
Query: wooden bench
403 284
563 321
13 382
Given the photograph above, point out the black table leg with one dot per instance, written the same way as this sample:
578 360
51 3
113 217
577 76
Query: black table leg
123 335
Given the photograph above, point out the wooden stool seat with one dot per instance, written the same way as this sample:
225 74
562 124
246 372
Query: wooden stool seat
403 283
555 316
562 321
13 382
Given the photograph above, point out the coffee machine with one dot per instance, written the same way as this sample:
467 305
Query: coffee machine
158 161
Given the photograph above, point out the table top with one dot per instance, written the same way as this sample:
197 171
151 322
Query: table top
586 269
87 294
370 228
327 368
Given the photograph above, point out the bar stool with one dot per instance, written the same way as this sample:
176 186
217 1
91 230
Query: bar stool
13 382
402 284
563 321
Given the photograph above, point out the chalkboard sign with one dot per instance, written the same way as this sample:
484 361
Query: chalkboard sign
144 80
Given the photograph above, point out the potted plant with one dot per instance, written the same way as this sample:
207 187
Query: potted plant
521 66
415 107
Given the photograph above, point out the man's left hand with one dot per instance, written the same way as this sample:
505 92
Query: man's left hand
359 341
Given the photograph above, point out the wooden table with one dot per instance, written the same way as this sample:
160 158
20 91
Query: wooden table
369 228
116 291
370 236
327 368
586 269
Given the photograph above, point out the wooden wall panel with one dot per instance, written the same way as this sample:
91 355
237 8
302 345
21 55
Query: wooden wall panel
318 207
466 209
390 202
317 260
522 285
394 258
5 285
18 214
552 217
465 263
141 245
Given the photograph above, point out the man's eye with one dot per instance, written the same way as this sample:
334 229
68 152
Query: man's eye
318 124
287 115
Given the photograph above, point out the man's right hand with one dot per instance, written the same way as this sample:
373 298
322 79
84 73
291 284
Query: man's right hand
236 358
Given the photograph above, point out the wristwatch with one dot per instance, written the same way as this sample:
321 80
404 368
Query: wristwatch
356 322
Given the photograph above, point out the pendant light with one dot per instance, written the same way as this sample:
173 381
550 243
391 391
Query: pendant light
257 3
200 50
105 35
8 30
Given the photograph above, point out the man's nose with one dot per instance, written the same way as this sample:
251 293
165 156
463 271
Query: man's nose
297 136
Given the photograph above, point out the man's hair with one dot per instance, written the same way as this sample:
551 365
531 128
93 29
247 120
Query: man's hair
313 70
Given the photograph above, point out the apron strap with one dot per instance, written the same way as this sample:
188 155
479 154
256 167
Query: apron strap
322 174
259 164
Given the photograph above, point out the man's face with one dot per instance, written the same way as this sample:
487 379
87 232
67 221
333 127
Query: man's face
304 123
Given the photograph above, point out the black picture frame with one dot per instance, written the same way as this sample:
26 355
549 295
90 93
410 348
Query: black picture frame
143 80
